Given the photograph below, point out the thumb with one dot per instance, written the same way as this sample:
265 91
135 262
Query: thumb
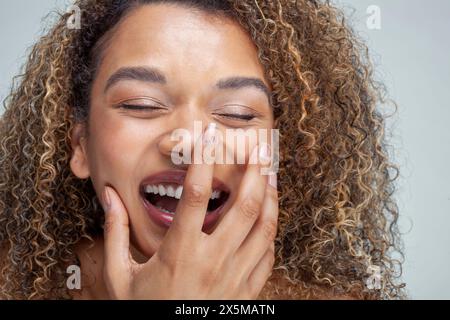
116 237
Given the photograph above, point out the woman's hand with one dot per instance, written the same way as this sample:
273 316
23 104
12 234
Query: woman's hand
233 262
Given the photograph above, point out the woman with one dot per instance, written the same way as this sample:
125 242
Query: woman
87 157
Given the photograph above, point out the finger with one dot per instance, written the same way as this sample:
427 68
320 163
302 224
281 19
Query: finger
263 232
116 237
262 272
192 207
239 220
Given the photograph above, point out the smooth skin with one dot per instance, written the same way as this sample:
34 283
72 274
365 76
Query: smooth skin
119 147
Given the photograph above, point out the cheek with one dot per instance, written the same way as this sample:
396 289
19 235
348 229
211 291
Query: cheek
113 151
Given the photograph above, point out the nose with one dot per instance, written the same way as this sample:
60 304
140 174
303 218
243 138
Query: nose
170 147
178 143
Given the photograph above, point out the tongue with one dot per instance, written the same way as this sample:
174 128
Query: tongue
167 203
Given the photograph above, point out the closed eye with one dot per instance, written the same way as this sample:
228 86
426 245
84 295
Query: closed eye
244 117
139 107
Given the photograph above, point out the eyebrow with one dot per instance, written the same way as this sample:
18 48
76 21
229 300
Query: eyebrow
153 75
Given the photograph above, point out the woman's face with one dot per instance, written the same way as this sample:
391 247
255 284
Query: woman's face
175 62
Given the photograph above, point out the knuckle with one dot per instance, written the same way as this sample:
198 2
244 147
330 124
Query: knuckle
208 279
112 221
109 223
249 208
270 229
196 195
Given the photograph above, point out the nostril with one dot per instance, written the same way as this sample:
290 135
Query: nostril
169 147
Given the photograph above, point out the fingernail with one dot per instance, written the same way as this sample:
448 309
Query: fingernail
106 203
209 137
264 154
273 181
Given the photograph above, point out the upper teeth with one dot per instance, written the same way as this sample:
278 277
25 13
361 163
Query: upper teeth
173 191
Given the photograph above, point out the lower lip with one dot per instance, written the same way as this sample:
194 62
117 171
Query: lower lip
165 219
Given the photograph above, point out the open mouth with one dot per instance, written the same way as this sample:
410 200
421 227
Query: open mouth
162 192
165 197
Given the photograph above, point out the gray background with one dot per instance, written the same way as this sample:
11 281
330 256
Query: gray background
411 52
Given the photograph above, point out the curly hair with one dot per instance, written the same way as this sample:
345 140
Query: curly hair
338 217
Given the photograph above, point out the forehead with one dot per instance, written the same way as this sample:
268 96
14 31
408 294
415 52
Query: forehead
181 41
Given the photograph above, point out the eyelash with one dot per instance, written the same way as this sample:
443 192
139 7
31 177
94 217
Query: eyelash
241 117
137 107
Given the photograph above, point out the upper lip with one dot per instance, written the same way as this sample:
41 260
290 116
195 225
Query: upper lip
177 177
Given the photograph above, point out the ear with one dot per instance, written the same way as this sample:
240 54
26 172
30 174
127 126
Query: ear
79 161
